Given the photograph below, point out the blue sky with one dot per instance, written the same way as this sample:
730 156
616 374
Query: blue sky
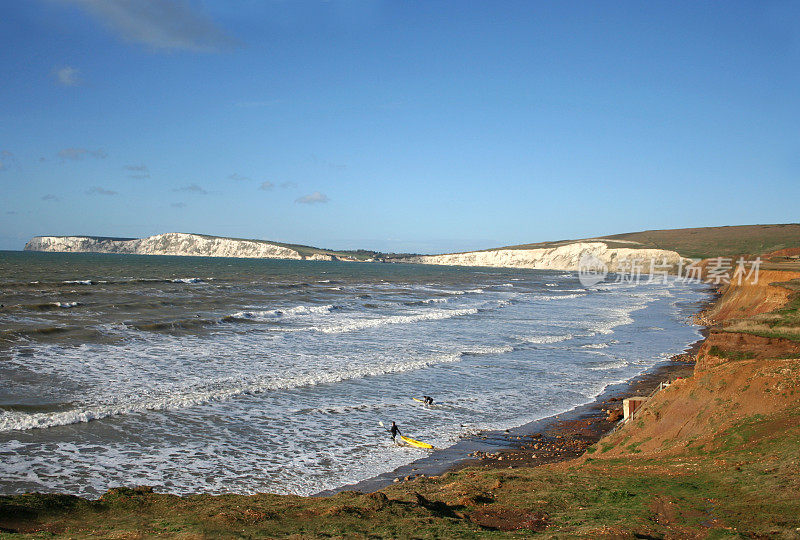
425 126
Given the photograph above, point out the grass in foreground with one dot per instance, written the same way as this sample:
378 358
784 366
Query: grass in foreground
743 484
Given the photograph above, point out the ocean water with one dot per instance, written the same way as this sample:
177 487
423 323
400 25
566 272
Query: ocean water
227 375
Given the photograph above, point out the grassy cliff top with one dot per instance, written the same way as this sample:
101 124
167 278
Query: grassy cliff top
701 242
98 238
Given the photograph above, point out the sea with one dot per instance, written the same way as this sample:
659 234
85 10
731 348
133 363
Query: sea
215 375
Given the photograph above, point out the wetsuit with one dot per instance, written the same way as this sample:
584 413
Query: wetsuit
395 431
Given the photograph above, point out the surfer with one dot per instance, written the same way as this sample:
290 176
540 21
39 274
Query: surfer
427 400
395 431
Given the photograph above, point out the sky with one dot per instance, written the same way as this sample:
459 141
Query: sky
413 126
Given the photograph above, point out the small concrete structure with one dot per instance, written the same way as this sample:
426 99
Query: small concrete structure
630 405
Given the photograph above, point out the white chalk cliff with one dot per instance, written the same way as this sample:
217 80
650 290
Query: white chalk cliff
564 257
165 244
567 256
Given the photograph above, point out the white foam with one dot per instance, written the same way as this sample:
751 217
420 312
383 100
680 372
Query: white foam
546 339
594 346
467 291
434 301
548 298
273 314
78 282
187 280
619 317
66 305
353 325
202 394
499 349
615 364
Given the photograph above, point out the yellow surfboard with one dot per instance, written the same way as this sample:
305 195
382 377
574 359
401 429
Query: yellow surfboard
414 442
417 399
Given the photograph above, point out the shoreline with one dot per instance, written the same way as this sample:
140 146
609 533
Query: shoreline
553 438
550 439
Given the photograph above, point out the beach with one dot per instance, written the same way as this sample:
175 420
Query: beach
552 439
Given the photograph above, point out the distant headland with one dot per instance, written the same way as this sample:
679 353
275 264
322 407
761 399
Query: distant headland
666 246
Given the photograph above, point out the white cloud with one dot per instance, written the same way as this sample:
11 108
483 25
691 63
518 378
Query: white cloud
97 190
138 171
266 185
238 177
313 198
162 25
67 76
191 188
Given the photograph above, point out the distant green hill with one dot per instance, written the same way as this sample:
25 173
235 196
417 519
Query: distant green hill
702 242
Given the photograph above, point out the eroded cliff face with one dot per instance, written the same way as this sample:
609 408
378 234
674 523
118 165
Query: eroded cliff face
566 257
738 375
746 299
165 244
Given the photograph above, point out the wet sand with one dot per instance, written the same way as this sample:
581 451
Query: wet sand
548 440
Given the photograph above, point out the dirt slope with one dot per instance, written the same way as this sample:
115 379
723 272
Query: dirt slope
739 301
737 376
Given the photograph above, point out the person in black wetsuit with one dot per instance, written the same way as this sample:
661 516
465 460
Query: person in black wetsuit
395 431
427 400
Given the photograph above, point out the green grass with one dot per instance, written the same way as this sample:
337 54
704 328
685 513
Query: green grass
704 242
790 313
730 355
781 323
744 481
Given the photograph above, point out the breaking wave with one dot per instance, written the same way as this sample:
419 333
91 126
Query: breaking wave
221 390
361 324
274 314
